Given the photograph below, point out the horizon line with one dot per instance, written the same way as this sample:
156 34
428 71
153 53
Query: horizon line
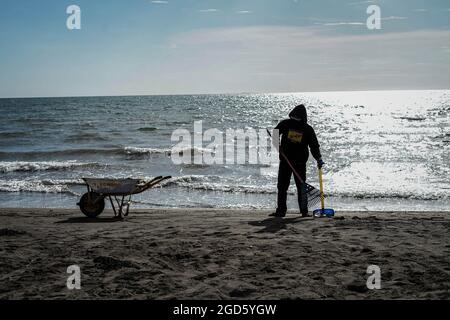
213 94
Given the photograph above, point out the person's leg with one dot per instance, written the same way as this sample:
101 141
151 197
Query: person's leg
301 188
284 179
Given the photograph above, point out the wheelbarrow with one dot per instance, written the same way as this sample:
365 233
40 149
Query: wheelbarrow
92 203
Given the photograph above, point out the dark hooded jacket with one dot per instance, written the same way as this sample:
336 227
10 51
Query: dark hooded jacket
297 135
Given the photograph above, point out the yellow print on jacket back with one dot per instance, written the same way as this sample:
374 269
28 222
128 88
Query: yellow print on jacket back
295 136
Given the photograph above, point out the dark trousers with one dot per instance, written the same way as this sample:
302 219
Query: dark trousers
284 180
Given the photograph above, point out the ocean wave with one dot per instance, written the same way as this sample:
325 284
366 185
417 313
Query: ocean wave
85 137
396 195
125 151
25 166
60 153
412 118
214 184
39 186
147 129
145 151
166 151
189 179
228 188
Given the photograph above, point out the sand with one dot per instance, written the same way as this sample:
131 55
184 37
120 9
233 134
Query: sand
223 254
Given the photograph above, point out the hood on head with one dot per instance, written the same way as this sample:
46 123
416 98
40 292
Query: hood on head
299 114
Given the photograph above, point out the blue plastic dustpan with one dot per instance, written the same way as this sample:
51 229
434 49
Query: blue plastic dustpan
327 212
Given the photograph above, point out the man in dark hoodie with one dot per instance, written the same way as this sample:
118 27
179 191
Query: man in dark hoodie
296 136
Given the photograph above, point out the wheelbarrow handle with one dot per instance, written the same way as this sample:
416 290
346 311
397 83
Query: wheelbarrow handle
153 182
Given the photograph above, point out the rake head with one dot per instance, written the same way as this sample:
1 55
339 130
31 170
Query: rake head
313 196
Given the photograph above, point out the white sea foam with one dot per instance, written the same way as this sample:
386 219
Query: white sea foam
41 186
166 151
214 183
144 151
28 166
346 183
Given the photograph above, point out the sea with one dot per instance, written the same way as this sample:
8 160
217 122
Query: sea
383 150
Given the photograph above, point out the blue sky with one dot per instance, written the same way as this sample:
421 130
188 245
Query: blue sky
210 46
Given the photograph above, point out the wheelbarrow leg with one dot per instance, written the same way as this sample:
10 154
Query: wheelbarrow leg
112 205
121 207
128 206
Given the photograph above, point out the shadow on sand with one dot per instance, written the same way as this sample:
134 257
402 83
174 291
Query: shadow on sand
91 220
273 225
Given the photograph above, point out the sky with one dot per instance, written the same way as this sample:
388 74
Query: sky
143 47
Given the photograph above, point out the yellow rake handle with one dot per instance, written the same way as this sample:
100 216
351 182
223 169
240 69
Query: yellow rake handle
322 198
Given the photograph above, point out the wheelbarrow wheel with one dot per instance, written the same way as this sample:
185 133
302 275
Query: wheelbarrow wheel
92 204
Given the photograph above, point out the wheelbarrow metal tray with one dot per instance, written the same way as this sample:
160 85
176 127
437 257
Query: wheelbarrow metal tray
113 186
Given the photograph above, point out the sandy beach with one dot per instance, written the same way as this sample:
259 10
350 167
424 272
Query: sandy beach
223 254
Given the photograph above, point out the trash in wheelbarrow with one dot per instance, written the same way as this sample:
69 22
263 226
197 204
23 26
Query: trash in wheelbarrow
118 191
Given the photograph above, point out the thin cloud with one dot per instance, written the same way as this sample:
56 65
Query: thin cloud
329 24
394 18
361 2
420 10
160 2
244 12
208 10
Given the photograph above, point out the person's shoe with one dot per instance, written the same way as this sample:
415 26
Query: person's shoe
305 214
277 214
